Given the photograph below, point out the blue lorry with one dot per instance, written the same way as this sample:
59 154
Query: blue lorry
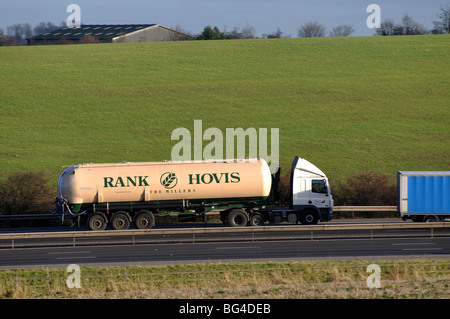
423 196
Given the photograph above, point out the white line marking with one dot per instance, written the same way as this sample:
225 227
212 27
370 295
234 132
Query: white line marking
77 257
422 249
68 252
402 244
237 247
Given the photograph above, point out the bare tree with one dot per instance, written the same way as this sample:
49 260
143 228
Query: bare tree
342 31
442 26
410 27
44 27
19 32
276 34
248 32
407 27
445 17
311 29
236 34
386 27
5 40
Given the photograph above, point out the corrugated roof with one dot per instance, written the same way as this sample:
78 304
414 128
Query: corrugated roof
99 31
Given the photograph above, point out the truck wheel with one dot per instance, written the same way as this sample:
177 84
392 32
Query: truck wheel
120 221
237 218
309 217
257 219
97 221
144 220
431 219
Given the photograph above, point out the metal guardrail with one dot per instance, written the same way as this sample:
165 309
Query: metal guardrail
221 230
365 209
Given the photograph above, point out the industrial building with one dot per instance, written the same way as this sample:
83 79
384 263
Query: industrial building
110 33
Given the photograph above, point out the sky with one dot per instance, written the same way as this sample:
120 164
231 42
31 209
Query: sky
193 15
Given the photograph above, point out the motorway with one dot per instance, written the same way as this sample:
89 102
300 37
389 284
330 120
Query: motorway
414 243
229 251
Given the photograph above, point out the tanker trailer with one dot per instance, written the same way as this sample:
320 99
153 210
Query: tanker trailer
124 193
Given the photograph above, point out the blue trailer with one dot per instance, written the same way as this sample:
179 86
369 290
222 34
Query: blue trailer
423 196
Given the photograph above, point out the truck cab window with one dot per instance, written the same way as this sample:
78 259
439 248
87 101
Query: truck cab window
319 186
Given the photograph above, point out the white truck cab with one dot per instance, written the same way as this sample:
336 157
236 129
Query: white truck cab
310 189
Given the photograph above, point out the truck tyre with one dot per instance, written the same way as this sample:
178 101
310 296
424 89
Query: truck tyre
144 220
309 217
431 219
97 221
120 221
257 219
237 218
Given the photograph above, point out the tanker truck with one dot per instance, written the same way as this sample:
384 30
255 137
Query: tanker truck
243 190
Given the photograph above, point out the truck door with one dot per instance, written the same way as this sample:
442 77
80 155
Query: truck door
319 195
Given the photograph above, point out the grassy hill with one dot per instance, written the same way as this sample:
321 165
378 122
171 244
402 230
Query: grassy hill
346 104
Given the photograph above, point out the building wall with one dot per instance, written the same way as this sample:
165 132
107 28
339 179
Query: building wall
154 34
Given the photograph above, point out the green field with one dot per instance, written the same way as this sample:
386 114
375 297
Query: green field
346 104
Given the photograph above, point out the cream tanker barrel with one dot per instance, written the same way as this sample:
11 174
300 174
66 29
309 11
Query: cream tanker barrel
161 181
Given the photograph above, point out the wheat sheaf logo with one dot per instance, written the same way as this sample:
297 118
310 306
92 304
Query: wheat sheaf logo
169 180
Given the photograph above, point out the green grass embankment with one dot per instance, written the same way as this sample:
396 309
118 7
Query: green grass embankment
345 104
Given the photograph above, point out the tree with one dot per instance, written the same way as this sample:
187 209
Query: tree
210 33
442 26
236 34
19 32
44 27
411 27
311 30
386 27
407 27
248 32
342 31
275 35
6 40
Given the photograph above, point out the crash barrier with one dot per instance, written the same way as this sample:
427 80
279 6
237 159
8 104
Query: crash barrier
205 234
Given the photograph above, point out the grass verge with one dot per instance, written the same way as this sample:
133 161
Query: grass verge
414 279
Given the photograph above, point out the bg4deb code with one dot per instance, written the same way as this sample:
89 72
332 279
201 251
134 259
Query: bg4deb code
248 308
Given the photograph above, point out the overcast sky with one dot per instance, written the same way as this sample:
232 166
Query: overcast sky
193 15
